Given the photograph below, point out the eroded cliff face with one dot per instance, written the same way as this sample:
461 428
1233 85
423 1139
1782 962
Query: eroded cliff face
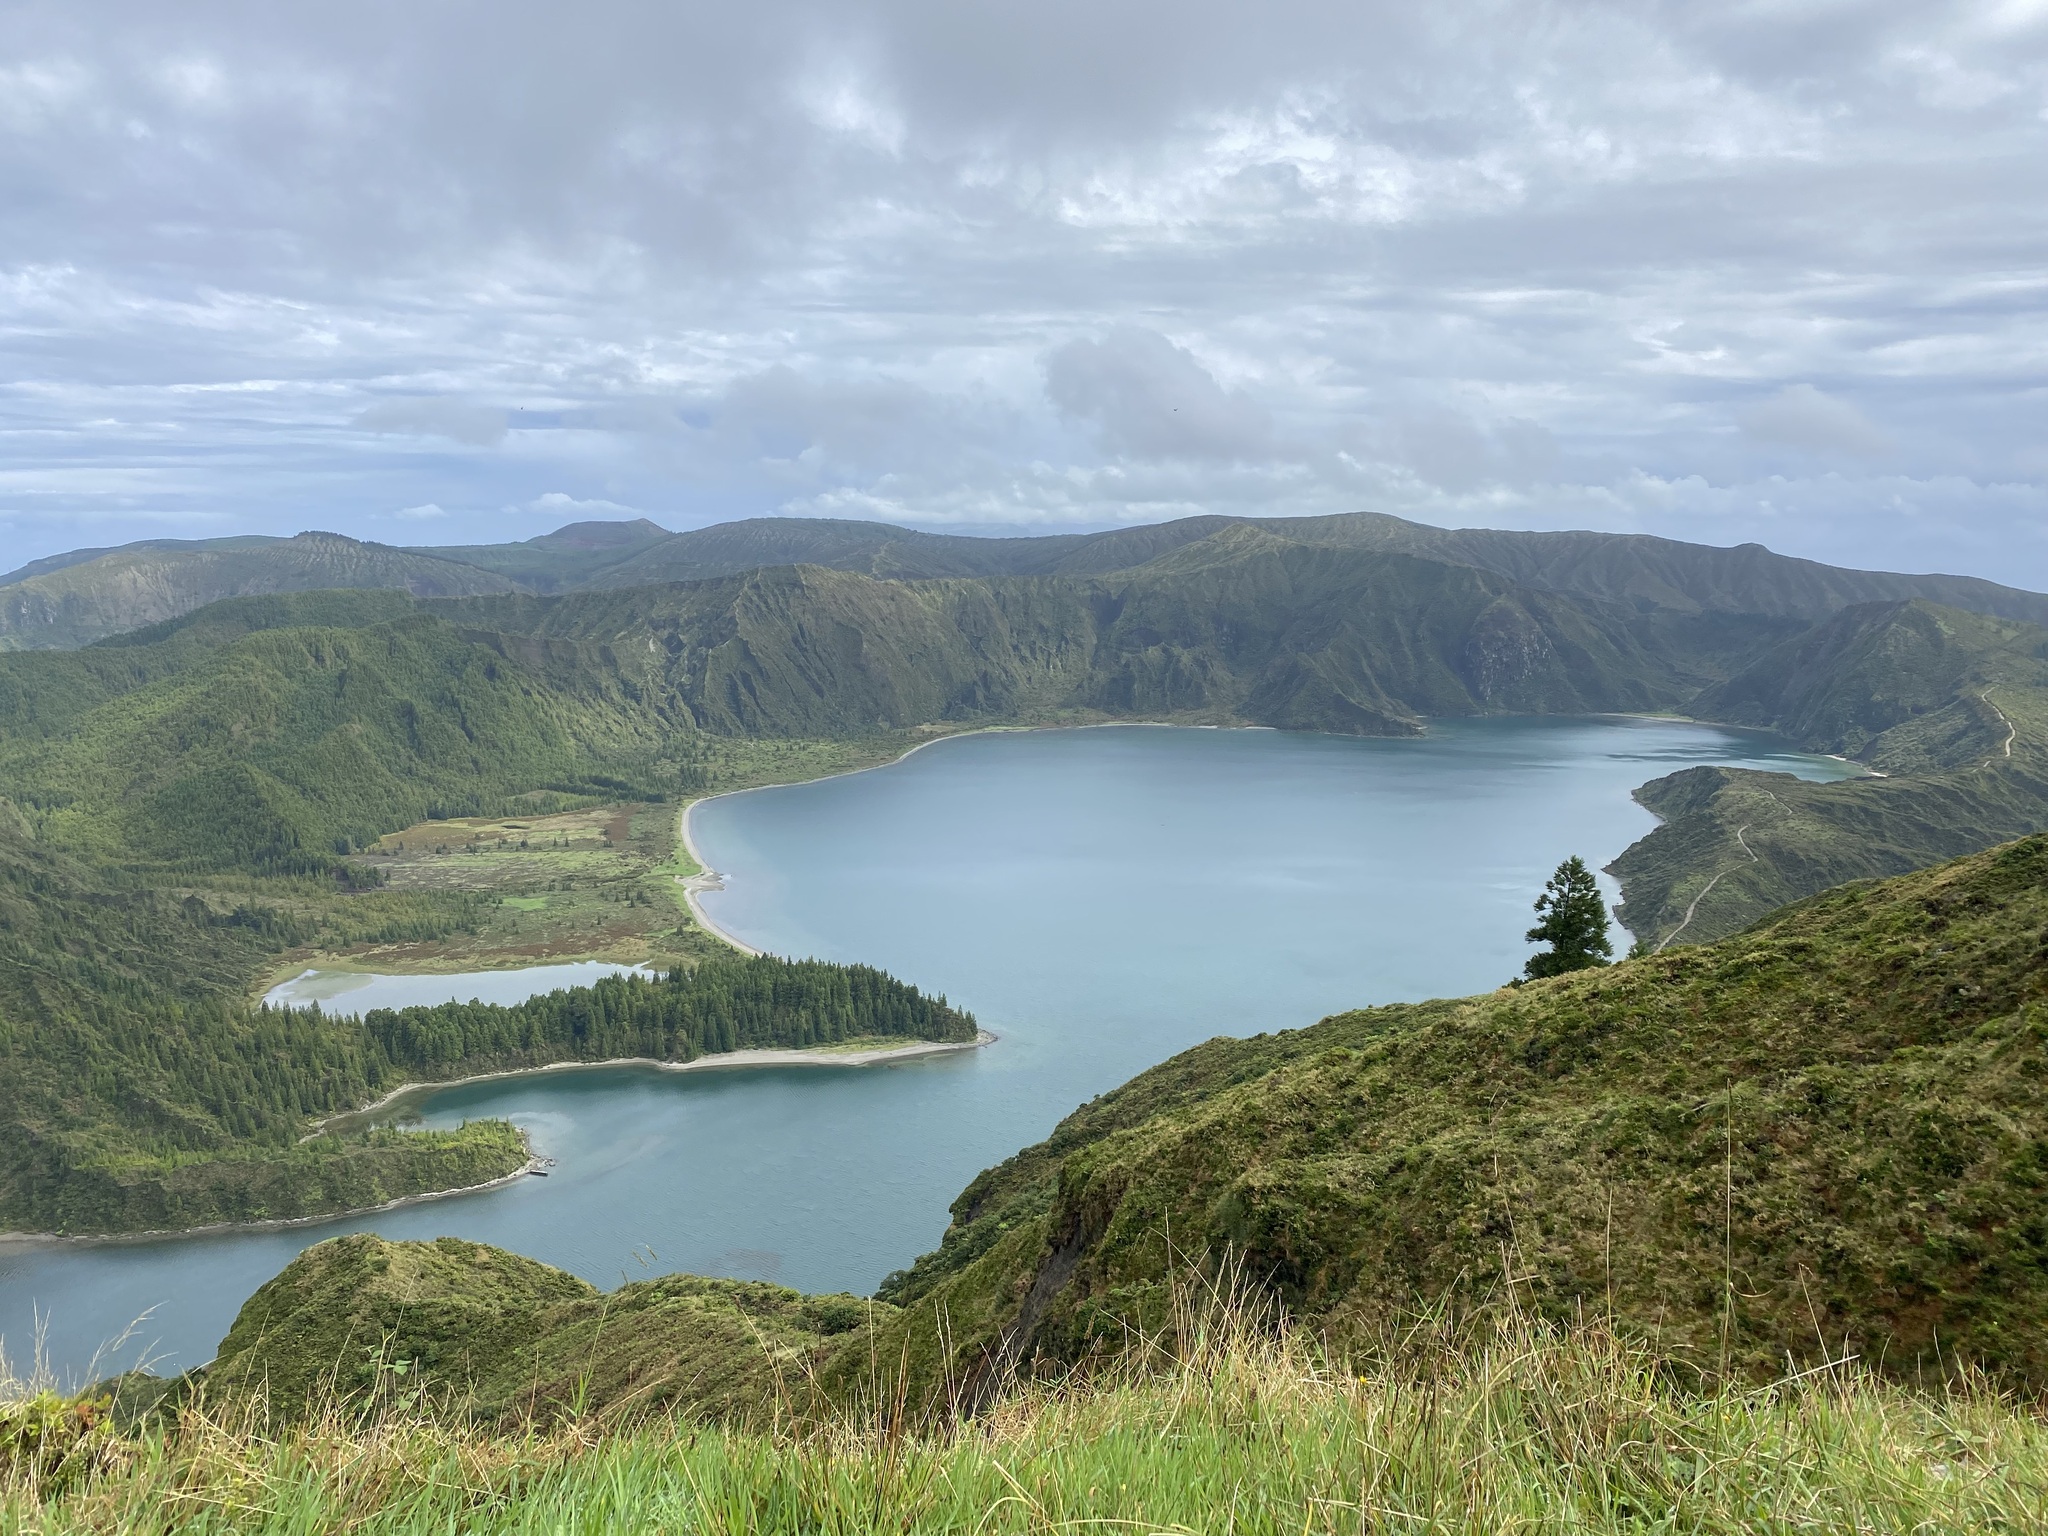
1504 651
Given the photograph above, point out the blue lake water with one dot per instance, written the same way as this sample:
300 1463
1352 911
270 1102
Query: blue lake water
358 992
1099 898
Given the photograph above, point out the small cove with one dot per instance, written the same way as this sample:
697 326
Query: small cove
1099 898
358 992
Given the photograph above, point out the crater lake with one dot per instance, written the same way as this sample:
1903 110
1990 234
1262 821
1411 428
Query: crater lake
1099 898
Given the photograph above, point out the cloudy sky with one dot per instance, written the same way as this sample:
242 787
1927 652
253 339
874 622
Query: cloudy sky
441 271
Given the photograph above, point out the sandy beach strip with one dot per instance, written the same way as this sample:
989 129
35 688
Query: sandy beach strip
714 1062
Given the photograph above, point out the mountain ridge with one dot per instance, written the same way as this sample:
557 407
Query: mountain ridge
74 598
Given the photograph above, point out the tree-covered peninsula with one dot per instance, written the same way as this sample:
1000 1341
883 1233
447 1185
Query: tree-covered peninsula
152 1118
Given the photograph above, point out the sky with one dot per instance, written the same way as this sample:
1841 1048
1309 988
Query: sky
445 271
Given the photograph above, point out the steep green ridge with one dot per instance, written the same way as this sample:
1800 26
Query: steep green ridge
569 557
1826 1135
1952 705
1650 573
1634 570
1244 626
68 600
56 606
224 745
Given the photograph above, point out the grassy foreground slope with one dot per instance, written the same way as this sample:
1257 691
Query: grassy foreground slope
1828 1132
1826 1136
1517 1429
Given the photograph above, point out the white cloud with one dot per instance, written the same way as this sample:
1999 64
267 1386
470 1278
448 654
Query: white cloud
559 504
1154 400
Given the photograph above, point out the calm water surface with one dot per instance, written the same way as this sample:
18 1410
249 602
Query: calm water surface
1099 898
358 992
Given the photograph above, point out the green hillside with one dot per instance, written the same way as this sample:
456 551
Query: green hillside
58 605
1822 1137
218 737
71 599
1952 706
571 556
223 745
1243 626
1826 1128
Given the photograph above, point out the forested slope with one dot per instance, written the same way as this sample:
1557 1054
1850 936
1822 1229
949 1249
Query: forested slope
152 1097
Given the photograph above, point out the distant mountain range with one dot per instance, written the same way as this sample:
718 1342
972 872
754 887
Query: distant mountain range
272 728
74 599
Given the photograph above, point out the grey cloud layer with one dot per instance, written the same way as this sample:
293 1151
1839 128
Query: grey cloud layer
1751 271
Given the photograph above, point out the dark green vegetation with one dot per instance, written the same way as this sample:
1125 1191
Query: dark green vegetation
1821 1137
1572 922
134 1108
728 1004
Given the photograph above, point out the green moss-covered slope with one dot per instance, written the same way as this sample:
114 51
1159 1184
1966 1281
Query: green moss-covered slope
356 1319
1828 1131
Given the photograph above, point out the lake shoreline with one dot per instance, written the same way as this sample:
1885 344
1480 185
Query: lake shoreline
730 1061
269 1224
719 1061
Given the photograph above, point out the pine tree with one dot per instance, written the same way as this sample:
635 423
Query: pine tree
1574 923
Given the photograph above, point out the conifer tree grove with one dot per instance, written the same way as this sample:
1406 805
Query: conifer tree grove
1573 922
